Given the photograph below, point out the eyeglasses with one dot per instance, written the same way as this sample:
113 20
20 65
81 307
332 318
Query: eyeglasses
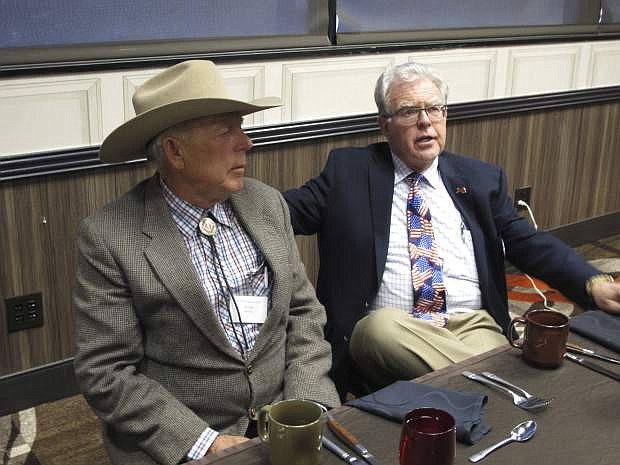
411 115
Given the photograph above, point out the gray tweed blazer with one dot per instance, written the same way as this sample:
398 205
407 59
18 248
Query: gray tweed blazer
151 356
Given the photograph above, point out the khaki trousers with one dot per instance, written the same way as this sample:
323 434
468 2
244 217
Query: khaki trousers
389 344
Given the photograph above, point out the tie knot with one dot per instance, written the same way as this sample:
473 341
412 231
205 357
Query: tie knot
414 178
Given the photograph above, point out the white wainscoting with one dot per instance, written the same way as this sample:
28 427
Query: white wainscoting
604 69
39 114
319 88
470 76
74 110
542 69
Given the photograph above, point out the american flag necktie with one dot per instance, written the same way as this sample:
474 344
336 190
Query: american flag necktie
426 274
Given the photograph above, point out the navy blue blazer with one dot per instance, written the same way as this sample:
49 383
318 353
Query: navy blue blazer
349 204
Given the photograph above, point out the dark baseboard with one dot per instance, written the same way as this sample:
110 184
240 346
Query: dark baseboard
56 381
590 230
39 385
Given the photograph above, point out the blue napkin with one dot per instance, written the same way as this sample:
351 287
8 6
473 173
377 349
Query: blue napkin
599 326
396 400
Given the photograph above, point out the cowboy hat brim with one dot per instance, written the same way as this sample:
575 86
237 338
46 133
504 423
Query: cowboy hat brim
129 141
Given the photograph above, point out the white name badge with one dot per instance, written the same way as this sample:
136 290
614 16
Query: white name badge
253 309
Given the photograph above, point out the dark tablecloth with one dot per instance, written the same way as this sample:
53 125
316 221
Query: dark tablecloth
581 427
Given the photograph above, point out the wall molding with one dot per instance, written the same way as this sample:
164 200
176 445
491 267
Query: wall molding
28 166
311 89
28 388
590 230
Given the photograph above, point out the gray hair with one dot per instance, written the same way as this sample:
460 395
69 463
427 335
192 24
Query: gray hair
405 72
155 148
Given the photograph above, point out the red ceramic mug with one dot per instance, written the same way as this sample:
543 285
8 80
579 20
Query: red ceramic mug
428 437
544 338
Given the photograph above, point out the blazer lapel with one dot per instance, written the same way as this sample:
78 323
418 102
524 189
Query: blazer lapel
381 185
458 187
170 260
462 195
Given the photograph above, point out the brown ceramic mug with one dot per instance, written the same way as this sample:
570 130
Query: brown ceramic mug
544 339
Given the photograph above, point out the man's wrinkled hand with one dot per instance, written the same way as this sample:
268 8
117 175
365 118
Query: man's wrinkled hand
224 441
607 296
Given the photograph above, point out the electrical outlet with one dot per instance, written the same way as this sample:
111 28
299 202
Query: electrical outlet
523 193
24 312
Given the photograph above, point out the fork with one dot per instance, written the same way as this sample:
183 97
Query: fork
517 399
507 383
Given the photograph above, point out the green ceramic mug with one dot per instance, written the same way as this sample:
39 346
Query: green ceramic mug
294 430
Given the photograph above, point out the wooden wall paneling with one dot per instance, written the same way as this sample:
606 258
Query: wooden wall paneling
550 151
500 141
67 203
549 145
40 219
597 166
563 173
24 243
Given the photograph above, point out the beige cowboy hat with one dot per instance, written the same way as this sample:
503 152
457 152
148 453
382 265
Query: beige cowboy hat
187 90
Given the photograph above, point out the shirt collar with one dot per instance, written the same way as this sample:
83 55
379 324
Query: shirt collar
191 214
401 171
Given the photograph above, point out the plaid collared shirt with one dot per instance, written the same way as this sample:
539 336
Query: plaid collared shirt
243 267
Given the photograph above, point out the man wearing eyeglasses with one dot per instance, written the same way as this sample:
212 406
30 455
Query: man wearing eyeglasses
412 242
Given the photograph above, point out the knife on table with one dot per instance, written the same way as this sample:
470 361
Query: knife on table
351 440
589 352
340 452
592 366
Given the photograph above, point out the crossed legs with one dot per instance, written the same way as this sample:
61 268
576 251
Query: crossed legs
389 344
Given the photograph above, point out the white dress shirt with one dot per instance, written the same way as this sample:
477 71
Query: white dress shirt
454 245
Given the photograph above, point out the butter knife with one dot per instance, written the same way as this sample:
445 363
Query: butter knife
351 440
340 452
592 366
590 353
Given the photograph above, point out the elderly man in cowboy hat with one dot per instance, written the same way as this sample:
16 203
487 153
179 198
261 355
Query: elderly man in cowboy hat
192 307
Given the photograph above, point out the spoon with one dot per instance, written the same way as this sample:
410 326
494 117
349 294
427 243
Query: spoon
520 433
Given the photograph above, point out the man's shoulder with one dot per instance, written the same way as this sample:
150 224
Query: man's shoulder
258 200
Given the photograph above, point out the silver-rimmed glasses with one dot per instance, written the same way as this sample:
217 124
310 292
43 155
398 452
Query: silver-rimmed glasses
411 115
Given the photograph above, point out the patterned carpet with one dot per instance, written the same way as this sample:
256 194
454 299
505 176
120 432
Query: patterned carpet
522 296
66 432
